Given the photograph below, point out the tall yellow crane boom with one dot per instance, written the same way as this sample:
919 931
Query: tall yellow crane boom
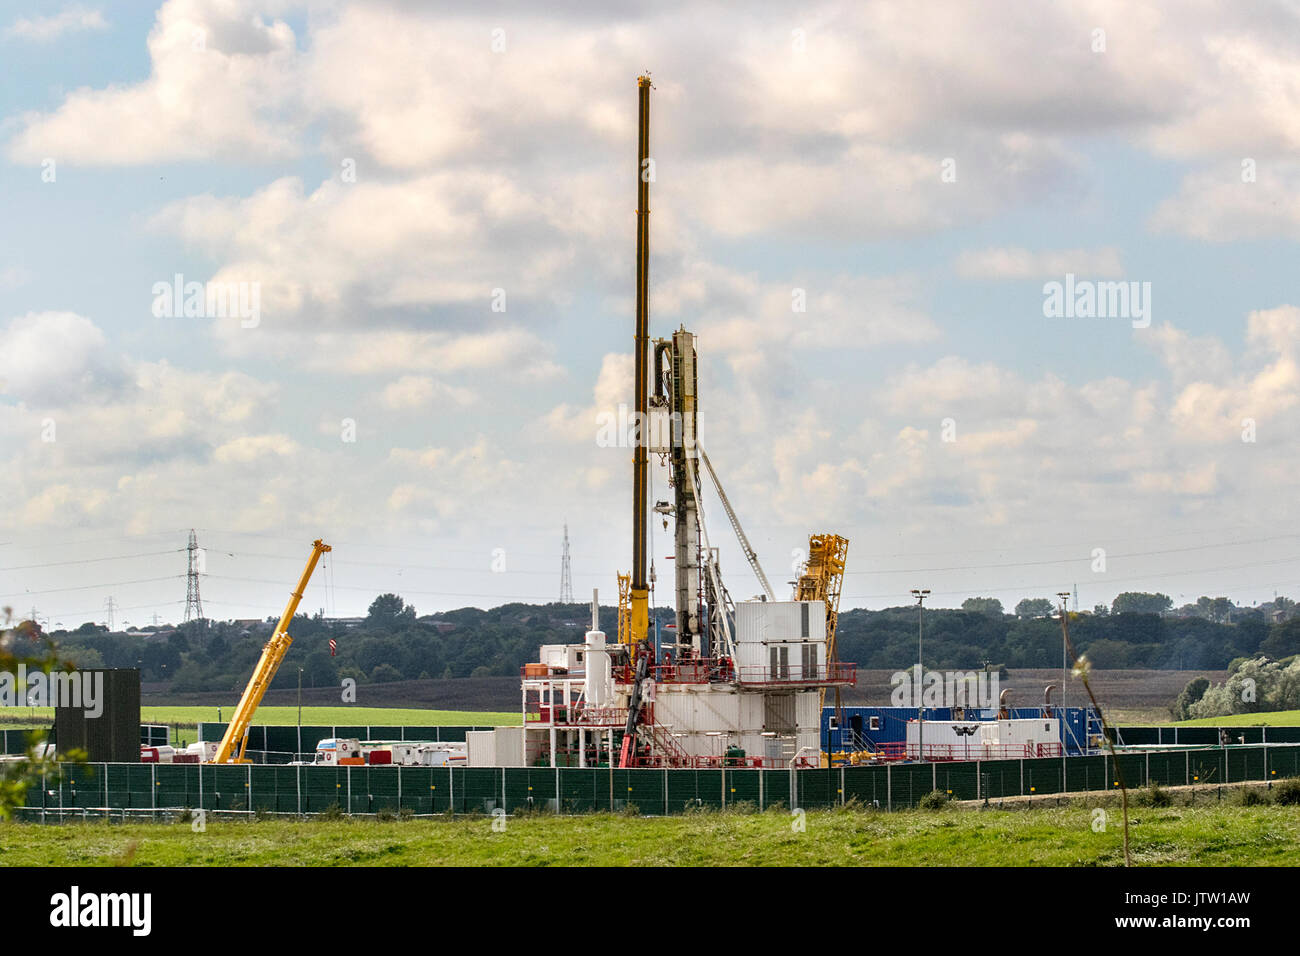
822 579
272 654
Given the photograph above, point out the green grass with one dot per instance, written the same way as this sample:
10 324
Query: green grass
184 719
1176 836
1277 718
310 715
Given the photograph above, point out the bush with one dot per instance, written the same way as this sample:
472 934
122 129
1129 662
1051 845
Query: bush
386 815
1191 694
1251 797
1287 793
332 812
934 800
1153 795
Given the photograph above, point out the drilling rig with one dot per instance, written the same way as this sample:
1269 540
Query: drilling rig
740 683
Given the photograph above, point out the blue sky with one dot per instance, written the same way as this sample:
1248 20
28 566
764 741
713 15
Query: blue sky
796 149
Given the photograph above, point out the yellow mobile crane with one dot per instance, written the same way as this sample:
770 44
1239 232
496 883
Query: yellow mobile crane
272 654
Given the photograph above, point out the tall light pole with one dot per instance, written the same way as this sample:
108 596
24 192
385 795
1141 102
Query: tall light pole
920 594
1065 672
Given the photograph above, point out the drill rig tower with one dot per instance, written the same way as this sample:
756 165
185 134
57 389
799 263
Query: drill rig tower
740 685
673 410
640 592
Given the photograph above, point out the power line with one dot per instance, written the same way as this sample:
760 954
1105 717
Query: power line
112 584
1109 557
111 557
1021 589
405 591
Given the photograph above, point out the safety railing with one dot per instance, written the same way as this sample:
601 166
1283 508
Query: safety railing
945 752
837 672
573 715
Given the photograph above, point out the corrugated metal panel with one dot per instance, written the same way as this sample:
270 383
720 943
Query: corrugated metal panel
778 713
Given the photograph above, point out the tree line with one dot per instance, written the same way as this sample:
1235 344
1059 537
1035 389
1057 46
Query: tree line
394 643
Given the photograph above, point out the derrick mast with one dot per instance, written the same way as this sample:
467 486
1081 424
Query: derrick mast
639 623
674 418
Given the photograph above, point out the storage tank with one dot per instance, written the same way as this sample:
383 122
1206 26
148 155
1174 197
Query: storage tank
599 684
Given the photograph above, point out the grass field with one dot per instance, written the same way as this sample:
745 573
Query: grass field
1218 835
1278 718
184 720
315 716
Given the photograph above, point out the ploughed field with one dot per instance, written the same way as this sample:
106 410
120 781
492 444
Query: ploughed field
1135 696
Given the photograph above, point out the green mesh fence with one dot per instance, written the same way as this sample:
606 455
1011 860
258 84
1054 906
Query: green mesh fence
133 789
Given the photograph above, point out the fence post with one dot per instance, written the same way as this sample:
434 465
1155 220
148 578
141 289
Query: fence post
349 791
889 787
153 789
248 800
842 797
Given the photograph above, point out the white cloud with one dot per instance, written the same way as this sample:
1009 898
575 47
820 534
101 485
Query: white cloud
420 391
45 29
220 87
1010 262
251 448
1217 206
56 358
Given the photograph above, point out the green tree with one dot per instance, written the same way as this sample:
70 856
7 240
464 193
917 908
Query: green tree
25 644
990 607
385 674
1033 607
1283 640
1140 602
319 670
388 609
1191 694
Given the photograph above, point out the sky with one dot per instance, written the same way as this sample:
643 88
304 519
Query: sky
423 215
